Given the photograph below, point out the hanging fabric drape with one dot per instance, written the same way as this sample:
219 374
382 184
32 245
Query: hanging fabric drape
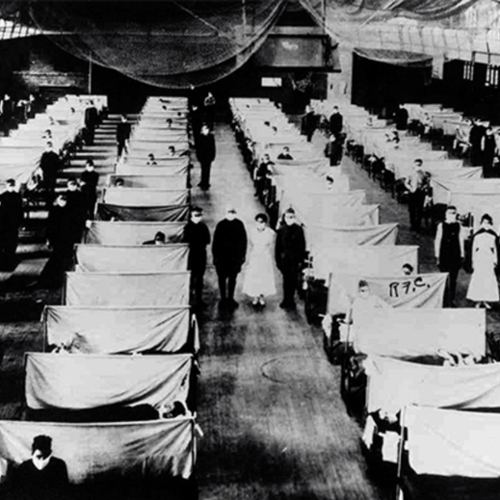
166 44
396 57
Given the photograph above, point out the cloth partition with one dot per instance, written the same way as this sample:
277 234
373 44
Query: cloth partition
405 333
393 384
131 289
182 169
467 194
299 150
180 160
282 167
310 204
119 330
453 443
91 451
174 182
401 157
55 380
368 260
139 197
131 233
405 167
331 237
168 213
144 258
288 179
363 215
416 291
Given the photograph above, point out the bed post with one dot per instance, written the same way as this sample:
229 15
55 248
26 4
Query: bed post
402 423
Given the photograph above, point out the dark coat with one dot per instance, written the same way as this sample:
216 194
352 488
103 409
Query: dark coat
123 130
230 246
336 123
290 250
29 483
91 117
205 148
309 123
198 237
63 230
11 211
49 165
90 181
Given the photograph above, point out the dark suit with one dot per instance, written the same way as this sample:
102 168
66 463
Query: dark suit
123 130
229 251
205 152
50 163
91 122
290 252
89 191
198 237
336 124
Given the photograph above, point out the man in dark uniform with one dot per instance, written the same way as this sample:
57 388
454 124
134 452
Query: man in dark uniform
91 121
229 251
336 122
89 181
50 163
309 123
76 206
123 130
197 235
449 250
7 112
290 252
11 219
476 134
43 477
401 118
205 151
62 234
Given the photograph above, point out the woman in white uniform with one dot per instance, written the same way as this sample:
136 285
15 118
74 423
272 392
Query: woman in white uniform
259 280
483 286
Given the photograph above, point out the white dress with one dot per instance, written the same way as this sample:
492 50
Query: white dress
483 286
259 275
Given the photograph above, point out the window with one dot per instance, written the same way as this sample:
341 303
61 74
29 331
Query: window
468 70
492 76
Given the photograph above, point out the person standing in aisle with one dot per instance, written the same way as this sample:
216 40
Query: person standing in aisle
449 250
415 185
205 151
483 285
50 163
309 123
229 250
91 117
197 236
88 182
123 130
259 275
336 122
11 219
290 251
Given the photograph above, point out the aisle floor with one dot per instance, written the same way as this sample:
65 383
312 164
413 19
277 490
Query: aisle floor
269 403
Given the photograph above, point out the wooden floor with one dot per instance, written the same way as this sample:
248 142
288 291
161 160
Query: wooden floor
269 404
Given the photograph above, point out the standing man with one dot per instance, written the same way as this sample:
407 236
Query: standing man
290 252
401 118
76 206
229 251
88 182
91 118
197 236
11 219
336 122
205 151
123 130
414 183
476 134
50 163
309 123
449 249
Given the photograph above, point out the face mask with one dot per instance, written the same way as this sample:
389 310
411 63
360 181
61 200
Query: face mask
230 216
40 463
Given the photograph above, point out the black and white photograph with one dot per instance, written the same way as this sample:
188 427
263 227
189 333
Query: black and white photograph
249 249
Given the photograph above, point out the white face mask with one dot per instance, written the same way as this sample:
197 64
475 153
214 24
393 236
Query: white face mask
39 462
230 216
